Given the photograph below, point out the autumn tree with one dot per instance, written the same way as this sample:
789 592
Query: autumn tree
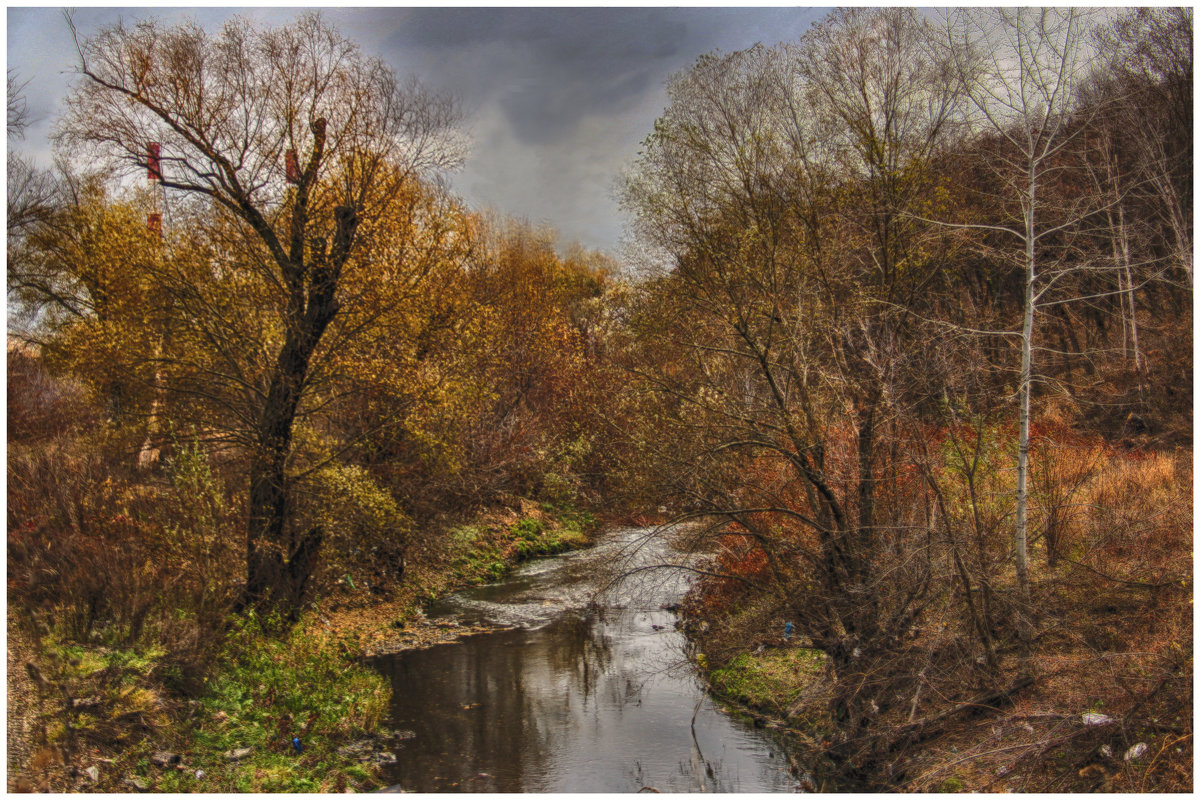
486 389
84 274
301 142
781 188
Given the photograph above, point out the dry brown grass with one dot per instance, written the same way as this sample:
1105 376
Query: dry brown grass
1114 638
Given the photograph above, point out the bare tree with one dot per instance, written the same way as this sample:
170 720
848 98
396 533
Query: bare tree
301 142
1022 69
1112 185
885 103
31 191
1152 49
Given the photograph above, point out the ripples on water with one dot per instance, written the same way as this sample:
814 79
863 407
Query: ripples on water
588 691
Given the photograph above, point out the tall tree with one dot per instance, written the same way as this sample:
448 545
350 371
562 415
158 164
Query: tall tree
1023 69
301 141
781 185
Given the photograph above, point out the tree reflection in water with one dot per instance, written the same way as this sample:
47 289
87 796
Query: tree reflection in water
583 697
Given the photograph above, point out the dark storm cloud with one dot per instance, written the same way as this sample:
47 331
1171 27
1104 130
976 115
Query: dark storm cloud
550 67
556 100
559 99
546 67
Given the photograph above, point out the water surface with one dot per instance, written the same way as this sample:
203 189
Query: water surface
588 690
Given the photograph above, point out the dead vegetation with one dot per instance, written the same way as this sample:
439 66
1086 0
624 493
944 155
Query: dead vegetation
1099 700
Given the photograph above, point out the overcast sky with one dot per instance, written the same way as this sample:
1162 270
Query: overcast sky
556 99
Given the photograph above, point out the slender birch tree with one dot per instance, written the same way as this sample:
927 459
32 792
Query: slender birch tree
1023 70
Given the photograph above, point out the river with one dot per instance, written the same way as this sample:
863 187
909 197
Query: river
587 690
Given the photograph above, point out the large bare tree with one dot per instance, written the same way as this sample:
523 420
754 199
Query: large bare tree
782 185
299 140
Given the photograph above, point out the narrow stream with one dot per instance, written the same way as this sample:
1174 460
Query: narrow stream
576 696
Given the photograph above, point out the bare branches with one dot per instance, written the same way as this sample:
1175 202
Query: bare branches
227 109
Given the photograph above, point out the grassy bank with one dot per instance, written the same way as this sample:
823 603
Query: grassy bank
128 726
489 549
482 549
770 681
105 715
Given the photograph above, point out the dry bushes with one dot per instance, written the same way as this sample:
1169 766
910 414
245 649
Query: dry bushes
100 552
1137 524
41 407
961 702
1114 637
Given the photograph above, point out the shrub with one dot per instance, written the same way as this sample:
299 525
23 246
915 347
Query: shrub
367 534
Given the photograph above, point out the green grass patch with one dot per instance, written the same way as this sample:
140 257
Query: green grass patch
770 681
259 693
308 684
479 563
484 555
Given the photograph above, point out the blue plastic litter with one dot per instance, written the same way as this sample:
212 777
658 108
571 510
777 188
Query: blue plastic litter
299 748
787 631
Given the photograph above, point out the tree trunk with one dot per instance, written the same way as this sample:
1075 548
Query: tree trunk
1025 391
279 563
1123 235
148 453
268 546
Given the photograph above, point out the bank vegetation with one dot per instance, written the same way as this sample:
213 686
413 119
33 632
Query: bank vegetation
908 345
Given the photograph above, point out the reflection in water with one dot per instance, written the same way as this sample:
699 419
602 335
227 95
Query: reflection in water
578 697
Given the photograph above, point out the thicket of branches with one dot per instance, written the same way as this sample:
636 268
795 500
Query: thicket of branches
906 262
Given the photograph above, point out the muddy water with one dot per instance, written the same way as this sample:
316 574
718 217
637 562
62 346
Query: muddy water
588 690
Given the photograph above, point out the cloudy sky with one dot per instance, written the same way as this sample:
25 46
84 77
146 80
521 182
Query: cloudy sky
556 99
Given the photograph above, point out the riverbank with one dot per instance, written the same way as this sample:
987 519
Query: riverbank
257 713
1071 727
1098 699
482 550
